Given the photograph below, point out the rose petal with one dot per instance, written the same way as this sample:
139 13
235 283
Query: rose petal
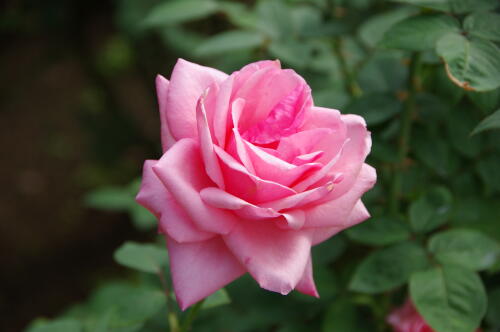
276 258
247 186
336 212
223 200
173 219
207 147
187 83
262 91
161 91
284 118
302 143
306 285
152 193
181 170
199 269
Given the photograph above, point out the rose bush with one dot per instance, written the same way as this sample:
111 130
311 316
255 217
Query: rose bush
407 319
252 176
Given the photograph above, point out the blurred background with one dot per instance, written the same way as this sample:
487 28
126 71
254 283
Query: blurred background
78 116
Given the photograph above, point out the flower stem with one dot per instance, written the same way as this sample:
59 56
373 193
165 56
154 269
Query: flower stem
405 133
186 325
173 321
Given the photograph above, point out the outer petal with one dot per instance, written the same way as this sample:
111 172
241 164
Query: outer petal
187 84
181 170
358 214
199 269
336 212
306 285
161 91
152 194
275 257
353 154
173 219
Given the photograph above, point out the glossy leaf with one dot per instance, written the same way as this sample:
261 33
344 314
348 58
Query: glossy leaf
467 248
471 63
450 298
418 33
431 210
388 268
484 25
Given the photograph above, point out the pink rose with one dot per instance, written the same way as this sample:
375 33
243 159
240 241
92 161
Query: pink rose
407 319
252 176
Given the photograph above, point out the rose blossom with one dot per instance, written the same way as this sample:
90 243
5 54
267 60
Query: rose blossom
407 319
252 176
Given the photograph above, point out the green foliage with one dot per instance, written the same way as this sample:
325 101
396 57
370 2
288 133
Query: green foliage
469 249
450 298
388 268
380 231
430 210
142 257
419 33
122 199
423 73
471 63
489 123
179 11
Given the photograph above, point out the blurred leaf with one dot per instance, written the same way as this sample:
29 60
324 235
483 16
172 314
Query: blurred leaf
144 257
450 298
130 306
473 64
478 213
142 218
467 248
374 28
274 19
455 6
329 250
488 171
375 108
384 152
181 39
218 298
484 25
62 325
292 52
110 198
383 72
379 231
307 21
418 33
179 11
131 13
388 268
492 316
239 15
431 210
435 153
485 101
489 123
343 316
458 128
229 41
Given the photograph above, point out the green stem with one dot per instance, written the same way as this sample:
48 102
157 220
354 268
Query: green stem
405 133
173 321
186 325
349 78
